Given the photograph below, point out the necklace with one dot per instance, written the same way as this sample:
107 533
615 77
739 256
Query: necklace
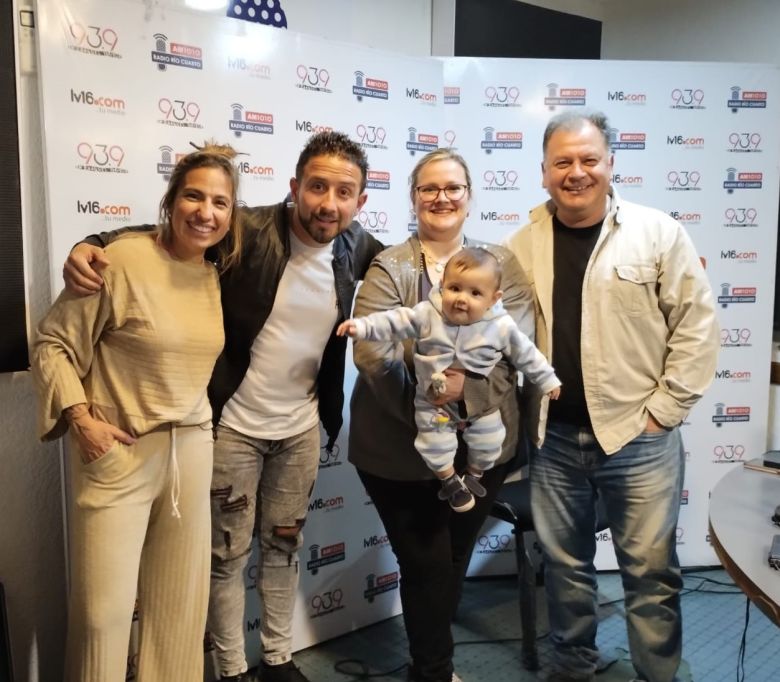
437 265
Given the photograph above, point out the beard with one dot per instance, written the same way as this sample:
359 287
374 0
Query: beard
322 235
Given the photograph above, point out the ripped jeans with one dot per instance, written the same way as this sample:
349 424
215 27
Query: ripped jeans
263 485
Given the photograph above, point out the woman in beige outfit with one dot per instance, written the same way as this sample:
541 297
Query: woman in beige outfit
124 372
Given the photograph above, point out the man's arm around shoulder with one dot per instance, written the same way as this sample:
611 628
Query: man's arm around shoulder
87 260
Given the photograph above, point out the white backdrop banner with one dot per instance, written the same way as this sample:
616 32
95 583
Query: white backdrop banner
699 141
126 88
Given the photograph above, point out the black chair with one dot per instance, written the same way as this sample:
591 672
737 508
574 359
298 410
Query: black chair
513 505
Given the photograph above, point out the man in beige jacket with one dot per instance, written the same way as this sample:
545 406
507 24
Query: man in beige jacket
625 313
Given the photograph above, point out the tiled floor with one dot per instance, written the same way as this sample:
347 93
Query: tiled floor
488 628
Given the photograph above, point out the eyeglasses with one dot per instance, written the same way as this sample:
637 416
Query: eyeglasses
431 192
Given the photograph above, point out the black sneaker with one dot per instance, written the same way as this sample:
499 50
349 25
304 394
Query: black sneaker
285 672
243 677
456 493
473 484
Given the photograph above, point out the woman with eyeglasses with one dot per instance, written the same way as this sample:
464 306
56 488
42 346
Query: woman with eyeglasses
432 543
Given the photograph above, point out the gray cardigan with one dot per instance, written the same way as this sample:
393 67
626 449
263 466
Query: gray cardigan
382 430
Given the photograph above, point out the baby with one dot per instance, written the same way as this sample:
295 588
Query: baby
462 325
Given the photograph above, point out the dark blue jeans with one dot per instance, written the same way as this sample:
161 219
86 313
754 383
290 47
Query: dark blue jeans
641 486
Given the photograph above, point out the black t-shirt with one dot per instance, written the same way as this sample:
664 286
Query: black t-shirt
572 247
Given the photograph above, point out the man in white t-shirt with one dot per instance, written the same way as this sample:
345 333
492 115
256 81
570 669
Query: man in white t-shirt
281 373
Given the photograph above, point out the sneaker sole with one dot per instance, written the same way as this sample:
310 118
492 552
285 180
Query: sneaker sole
464 507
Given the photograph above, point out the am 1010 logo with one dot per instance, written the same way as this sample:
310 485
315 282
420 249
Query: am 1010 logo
379 584
178 54
330 554
736 179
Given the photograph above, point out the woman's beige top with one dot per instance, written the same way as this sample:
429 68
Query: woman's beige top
141 351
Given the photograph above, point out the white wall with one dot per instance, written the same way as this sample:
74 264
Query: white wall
692 30
32 554
32 566
681 30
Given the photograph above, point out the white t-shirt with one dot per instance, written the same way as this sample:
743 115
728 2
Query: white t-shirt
277 397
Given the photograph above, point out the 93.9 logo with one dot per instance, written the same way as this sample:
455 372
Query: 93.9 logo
179 112
329 458
327 601
494 542
499 179
312 78
744 142
100 157
371 135
729 453
687 98
373 221
685 180
501 96
93 38
733 337
741 216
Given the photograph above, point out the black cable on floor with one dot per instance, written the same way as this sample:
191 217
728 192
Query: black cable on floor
743 645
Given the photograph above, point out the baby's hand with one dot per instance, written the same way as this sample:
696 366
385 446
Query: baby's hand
347 328
553 395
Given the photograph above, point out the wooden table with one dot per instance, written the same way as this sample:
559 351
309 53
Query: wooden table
741 530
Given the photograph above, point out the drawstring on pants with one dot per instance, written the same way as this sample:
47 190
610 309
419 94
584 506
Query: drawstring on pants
175 482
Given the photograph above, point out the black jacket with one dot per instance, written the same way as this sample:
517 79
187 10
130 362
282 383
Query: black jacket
248 294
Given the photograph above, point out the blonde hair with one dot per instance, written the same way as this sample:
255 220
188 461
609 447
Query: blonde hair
442 154
210 155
